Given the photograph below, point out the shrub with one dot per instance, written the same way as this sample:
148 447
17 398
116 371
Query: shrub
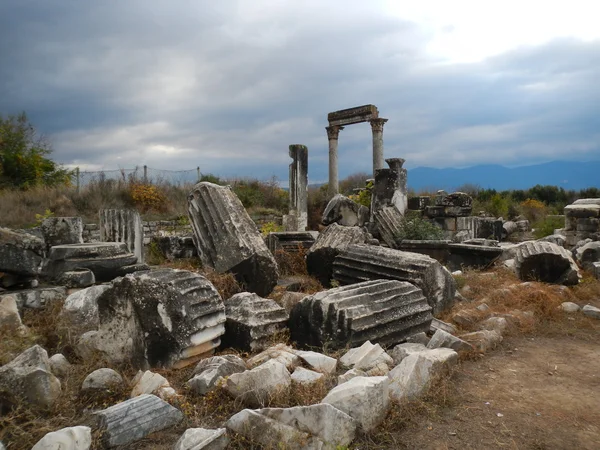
147 197
414 227
545 227
533 209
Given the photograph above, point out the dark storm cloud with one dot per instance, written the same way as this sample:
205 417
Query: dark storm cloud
228 86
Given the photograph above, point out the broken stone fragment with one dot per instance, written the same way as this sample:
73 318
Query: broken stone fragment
38 298
588 254
352 373
134 419
418 338
10 320
252 322
227 239
209 370
71 438
291 299
329 243
77 278
546 262
29 377
498 324
438 324
483 340
258 386
305 376
413 375
570 307
402 351
151 383
345 212
318 361
389 223
59 365
591 311
384 311
359 263
101 380
161 318
20 253
366 399
280 352
203 439
442 339
81 307
62 230
366 357
311 427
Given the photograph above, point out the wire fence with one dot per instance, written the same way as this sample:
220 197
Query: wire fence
142 174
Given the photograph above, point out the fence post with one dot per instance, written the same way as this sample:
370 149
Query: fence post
198 170
77 174
145 174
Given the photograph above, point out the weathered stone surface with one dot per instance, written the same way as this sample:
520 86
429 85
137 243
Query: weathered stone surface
413 375
366 399
134 419
497 324
297 219
383 311
389 224
588 254
557 239
257 386
81 307
480 227
311 427
402 351
352 373
10 320
546 262
418 338
252 321
59 365
203 439
62 230
291 241
446 340
596 270
102 379
162 318
483 340
317 361
359 263
20 253
38 298
102 258
29 377
331 241
367 357
389 187
457 204
437 324
209 370
123 225
151 383
175 247
591 311
570 307
291 299
77 278
227 239
280 352
509 227
305 376
474 256
71 438
345 212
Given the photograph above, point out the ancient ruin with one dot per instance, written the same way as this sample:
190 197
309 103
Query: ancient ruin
337 121
297 219
123 225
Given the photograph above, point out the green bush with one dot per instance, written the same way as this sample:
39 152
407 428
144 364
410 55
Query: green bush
545 227
414 227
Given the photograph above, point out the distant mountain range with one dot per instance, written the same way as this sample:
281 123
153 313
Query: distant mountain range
566 174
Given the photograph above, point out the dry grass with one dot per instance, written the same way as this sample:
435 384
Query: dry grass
291 263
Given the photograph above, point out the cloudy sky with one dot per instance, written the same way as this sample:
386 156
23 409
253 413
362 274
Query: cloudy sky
228 85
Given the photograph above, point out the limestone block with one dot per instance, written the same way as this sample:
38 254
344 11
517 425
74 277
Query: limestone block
359 263
384 311
62 230
352 373
483 340
280 352
252 321
366 357
591 311
345 212
305 376
123 225
209 370
389 187
311 427
162 318
227 239
81 307
59 365
203 439
366 399
588 254
446 340
401 351
71 438
258 386
418 338
20 253
437 324
77 278
151 383
175 247
134 419
318 361
102 379
29 377
413 375
329 243
546 262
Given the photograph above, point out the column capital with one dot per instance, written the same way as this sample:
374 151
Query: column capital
377 124
333 132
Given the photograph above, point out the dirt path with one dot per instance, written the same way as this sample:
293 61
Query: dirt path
533 393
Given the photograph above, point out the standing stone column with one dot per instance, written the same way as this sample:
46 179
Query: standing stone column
297 220
377 128
123 225
333 133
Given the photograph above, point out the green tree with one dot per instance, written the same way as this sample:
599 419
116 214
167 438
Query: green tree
23 156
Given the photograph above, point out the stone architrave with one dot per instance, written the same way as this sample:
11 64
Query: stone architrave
333 133
383 311
357 263
162 318
377 129
123 225
389 188
297 220
228 240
